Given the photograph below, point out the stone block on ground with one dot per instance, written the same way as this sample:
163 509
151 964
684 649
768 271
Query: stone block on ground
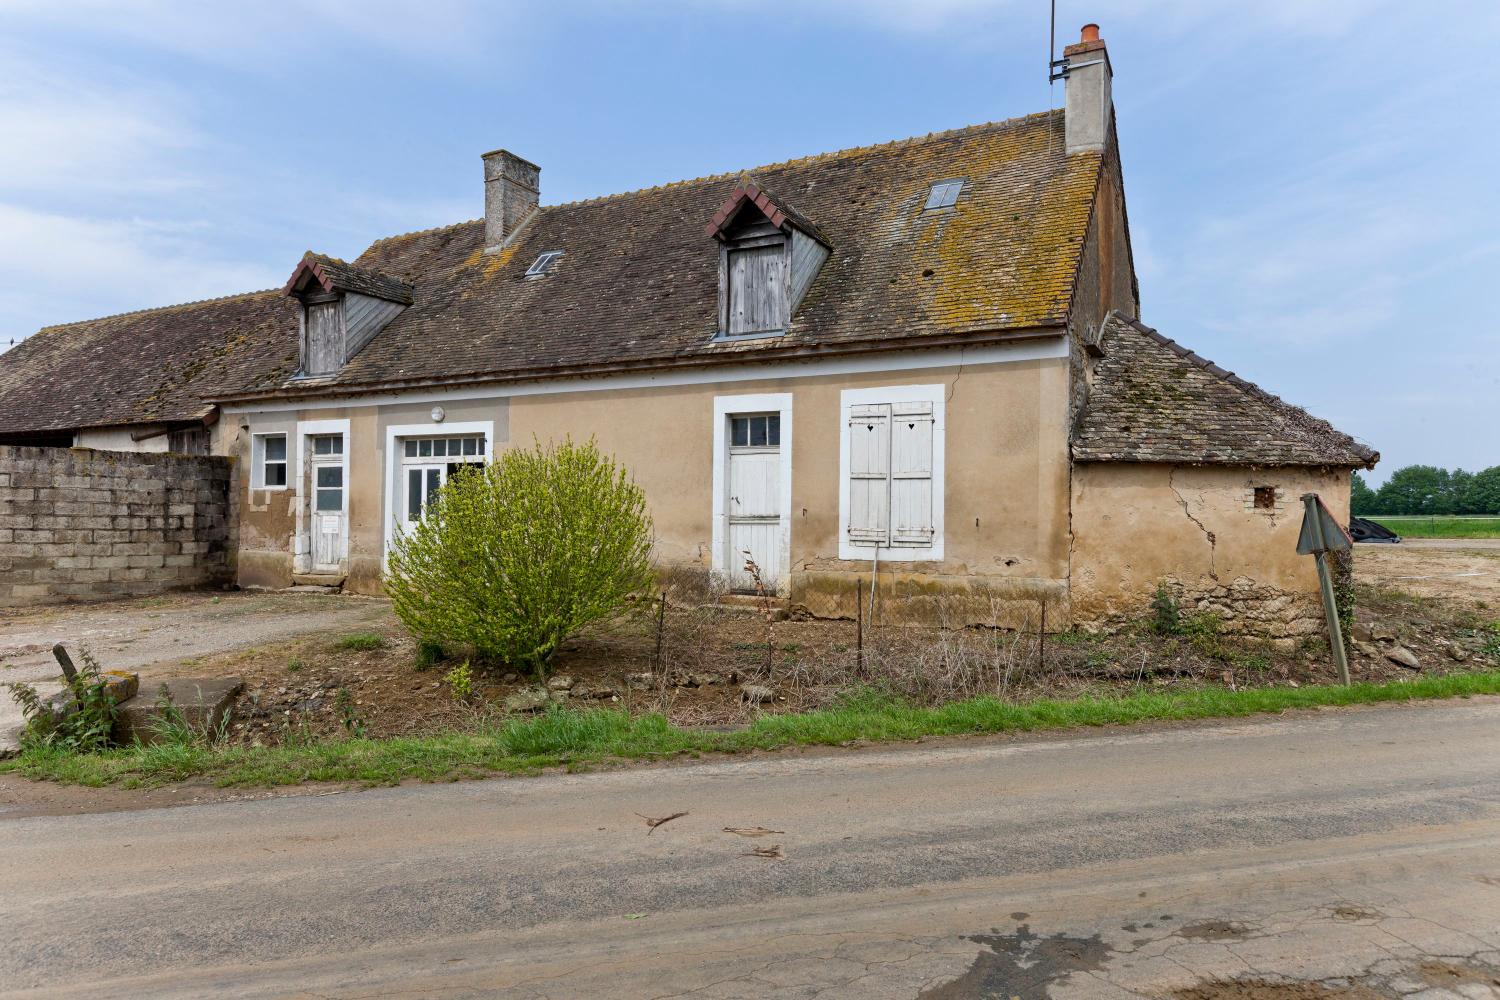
206 703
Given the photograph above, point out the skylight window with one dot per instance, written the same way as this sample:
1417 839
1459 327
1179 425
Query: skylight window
944 194
543 263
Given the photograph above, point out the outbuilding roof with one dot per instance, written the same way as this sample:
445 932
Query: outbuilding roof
155 365
1153 400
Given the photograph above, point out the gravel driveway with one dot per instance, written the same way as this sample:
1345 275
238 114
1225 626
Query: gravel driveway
157 631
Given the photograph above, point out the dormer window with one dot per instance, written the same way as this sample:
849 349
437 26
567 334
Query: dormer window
343 308
768 257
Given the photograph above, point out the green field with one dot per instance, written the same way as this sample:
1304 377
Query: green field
1441 527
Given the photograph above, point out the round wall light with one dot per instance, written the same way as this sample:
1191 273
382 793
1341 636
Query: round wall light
438 414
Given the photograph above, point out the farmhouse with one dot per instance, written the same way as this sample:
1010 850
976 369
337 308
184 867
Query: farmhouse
921 361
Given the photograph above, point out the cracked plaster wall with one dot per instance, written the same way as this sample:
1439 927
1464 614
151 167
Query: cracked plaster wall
1195 528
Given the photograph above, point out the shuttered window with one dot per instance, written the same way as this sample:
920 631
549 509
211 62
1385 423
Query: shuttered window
757 291
891 474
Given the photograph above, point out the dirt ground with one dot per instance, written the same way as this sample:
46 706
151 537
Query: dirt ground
318 665
161 636
1456 569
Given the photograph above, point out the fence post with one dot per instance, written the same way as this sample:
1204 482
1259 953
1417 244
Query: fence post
1041 641
661 619
859 627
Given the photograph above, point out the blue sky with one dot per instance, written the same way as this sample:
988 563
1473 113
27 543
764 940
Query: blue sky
1310 185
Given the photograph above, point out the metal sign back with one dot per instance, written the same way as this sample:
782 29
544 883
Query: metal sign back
1320 532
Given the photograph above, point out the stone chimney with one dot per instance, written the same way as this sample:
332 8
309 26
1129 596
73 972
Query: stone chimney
1090 110
510 196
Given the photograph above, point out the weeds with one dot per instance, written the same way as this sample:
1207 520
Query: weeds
1166 616
429 655
460 681
349 714
295 664
361 642
84 726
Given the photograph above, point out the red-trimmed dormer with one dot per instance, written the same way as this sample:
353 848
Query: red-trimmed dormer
769 255
343 308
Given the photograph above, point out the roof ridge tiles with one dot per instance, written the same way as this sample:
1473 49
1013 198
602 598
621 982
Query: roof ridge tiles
155 309
801 160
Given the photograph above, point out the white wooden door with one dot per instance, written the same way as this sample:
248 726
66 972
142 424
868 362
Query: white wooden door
754 502
328 515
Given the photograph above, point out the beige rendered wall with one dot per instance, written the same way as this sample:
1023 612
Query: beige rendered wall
1006 483
1138 525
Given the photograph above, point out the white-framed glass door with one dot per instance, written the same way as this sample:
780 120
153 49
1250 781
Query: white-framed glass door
429 462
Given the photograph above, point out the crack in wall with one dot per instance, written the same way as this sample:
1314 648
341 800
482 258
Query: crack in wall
1212 540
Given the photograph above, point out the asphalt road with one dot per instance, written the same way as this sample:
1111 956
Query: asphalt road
1359 850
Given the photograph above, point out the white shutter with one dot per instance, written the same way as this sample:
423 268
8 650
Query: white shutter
911 474
869 474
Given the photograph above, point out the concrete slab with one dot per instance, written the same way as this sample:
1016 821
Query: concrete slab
206 703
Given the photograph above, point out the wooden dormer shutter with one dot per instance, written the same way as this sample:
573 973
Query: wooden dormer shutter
757 289
325 338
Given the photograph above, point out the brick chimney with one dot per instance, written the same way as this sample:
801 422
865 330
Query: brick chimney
1090 109
510 196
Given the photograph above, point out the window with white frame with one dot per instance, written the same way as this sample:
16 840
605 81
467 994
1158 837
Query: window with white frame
268 461
892 469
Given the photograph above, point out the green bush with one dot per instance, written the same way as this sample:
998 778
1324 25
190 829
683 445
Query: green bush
513 558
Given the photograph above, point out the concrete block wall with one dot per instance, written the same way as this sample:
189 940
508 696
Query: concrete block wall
77 524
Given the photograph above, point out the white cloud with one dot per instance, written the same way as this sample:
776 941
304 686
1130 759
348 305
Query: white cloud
87 132
110 265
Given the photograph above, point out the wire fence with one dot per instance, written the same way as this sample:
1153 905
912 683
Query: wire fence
842 637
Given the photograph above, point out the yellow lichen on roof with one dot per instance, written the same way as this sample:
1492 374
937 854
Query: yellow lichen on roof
1005 258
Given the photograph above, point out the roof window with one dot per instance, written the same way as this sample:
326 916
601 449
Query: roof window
944 194
543 263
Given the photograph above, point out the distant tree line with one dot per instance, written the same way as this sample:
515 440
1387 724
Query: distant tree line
1426 489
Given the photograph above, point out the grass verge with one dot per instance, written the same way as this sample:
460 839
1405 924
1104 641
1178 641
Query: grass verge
573 738
1442 527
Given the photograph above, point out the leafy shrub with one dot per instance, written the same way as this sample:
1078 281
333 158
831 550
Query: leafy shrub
84 729
361 641
513 558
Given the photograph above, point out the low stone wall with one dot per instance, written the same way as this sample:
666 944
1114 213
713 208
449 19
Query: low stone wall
77 524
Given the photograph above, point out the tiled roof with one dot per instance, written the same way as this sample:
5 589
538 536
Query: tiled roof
1154 400
637 285
639 280
153 365
333 275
